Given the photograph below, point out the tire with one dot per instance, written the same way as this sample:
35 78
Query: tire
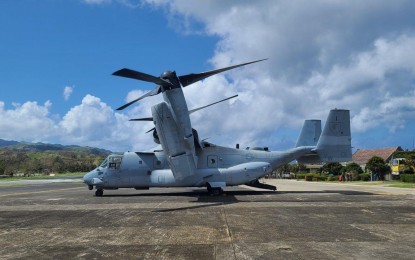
99 193
217 191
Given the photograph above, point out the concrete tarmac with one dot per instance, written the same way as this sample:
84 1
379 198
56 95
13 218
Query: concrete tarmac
302 220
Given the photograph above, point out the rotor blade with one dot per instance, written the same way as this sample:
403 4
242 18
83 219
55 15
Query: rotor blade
190 111
142 119
155 91
127 73
150 130
186 80
199 108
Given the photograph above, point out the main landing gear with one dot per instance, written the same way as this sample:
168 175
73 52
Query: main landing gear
214 191
99 193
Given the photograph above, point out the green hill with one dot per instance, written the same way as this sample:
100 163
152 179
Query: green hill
41 147
22 158
4 143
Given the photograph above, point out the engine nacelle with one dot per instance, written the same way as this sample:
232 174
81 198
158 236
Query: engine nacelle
175 146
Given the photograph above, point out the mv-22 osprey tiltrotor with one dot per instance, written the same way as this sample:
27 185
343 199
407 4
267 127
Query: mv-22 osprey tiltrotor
187 161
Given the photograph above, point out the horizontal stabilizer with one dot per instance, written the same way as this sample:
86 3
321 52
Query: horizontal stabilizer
310 158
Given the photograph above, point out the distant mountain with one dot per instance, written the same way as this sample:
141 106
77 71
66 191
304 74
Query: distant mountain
4 143
42 147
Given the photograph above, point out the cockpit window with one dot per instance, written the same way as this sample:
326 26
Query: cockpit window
114 161
104 164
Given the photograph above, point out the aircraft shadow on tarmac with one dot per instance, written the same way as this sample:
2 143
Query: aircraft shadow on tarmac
341 192
229 197
204 194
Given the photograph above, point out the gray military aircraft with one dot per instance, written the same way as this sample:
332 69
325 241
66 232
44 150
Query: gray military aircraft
187 161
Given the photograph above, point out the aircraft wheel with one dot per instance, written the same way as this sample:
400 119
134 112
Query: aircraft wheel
217 191
209 189
90 187
99 193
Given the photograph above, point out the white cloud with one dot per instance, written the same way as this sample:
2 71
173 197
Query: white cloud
97 2
91 123
323 55
96 124
67 92
131 3
377 83
126 3
28 121
89 120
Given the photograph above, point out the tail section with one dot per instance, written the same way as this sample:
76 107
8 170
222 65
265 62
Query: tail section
310 133
334 143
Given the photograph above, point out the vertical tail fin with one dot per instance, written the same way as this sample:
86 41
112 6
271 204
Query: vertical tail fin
334 144
310 133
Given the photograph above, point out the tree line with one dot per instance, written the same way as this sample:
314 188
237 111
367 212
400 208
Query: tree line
26 163
353 171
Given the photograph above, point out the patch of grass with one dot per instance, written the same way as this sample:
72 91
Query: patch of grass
401 185
394 184
369 182
70 174
407 178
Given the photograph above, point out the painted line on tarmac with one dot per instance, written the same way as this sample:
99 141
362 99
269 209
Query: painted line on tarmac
42 191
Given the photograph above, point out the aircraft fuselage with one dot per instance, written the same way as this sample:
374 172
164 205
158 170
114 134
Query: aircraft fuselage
218 166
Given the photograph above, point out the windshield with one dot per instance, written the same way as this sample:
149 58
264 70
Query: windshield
104 164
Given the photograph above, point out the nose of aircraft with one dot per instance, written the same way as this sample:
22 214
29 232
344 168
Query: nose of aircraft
88 177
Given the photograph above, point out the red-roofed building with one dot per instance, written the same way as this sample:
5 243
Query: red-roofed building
361 157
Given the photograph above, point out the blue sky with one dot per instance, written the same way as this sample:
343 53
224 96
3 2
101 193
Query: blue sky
56 60
50 44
